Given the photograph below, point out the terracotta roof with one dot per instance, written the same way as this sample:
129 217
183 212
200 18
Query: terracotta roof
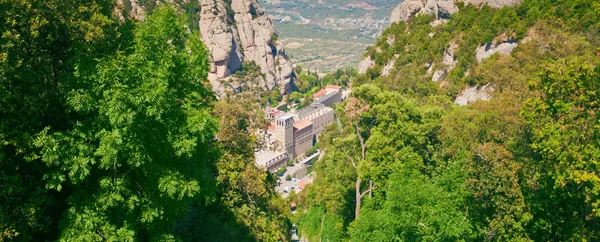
293 204
302 184
277 113
319 93
271 126
333 86
302 124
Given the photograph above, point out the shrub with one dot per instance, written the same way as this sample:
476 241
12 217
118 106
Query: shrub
311 151
281 171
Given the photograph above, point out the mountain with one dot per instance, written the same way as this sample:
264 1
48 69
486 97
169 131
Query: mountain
470 121
383 57
441 9
234 32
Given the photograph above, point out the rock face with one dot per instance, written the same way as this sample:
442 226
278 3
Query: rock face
388 67
474 94
487 50
493 3
442 9
365 64
235 32
409 8
243 32
448 63
135 12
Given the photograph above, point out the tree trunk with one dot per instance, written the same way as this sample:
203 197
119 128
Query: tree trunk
359 196
358 199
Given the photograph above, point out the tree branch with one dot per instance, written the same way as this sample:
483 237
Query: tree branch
352 160
362 141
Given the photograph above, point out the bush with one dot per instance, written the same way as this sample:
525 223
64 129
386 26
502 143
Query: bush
311 151
283 108
288 177
281 171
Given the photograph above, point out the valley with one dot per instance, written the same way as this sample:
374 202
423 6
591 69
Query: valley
323 55
328 35
223 120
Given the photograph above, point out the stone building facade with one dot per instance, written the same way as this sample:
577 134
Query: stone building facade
297 132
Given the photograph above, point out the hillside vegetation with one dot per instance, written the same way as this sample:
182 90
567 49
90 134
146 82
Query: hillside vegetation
110 132
522 166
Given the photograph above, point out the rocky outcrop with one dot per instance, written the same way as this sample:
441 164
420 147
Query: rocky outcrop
493 3
487 50
235 32
365 64
474 94
245 34
448 63
388 67
409 8
442 9
135 11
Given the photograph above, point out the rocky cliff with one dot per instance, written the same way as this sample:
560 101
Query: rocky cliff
234 31
240 31
441 8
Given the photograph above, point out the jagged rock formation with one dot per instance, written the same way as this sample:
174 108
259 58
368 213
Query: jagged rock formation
410 8
493 3
235 31
365 64
243 32
135 11
487 50
389 66
474 94
448 63
442 9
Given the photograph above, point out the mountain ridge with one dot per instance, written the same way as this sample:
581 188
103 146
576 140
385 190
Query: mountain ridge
234 32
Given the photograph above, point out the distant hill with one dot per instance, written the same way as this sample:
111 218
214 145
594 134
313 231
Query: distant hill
341 29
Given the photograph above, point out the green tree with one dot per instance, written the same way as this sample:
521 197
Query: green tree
247 198
417 208
564 118
136 155
295 97
42 43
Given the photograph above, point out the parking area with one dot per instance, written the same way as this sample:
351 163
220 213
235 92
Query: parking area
284 187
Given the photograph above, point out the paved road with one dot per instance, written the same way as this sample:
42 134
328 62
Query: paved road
291 170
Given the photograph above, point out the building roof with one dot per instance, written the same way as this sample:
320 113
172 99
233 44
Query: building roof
264 156
285 117
333 86
325 97
320 93
313 107
293 204
271 126
302 184
277 113
301 124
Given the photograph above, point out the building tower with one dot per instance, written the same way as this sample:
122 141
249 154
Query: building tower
285 134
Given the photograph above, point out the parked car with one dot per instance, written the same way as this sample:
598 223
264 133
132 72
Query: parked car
286 189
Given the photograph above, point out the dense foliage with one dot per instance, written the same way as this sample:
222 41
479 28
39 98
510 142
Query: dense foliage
519 167
108 132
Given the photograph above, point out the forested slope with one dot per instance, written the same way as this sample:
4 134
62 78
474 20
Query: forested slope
109 131
522 166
